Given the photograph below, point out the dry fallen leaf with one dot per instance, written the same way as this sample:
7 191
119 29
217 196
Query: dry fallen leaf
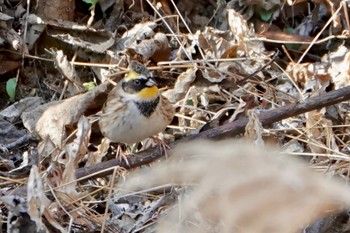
156 48
15 111
182 85
254 129
73 153
73 83
52 122
339 61
37 201
317 126
138 33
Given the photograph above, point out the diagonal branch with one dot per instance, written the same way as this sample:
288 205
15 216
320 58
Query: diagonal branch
266 117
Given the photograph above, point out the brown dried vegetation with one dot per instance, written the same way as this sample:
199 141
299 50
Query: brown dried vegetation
264 81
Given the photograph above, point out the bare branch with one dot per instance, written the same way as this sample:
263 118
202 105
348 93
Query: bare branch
230 129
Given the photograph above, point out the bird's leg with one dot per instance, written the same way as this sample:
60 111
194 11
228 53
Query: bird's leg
122 155
163 145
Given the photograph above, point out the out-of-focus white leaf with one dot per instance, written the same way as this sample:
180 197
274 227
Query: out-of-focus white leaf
241 188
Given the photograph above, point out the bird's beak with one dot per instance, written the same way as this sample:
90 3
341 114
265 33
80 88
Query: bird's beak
151 82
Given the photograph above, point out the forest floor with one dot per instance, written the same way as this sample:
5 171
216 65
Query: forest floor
259 141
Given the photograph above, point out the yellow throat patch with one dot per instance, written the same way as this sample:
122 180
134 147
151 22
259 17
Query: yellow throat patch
148 93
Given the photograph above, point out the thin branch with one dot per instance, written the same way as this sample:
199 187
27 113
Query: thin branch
267 117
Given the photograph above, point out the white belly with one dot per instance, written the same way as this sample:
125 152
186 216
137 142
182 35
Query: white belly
139 128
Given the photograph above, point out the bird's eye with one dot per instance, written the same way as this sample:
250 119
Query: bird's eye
137 82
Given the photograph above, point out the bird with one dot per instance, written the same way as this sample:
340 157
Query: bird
135 109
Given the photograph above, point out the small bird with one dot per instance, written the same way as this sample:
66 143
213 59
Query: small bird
134 109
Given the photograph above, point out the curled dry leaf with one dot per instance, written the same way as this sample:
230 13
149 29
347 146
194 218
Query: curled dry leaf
182 85
242 33
81 36
51 124
254 128
73 153
303 72
12 38
339 70
67 69
36 26
224 70
15 111
238 26
138 33
320 133
37 201
216 44
241 188
156 48
213 75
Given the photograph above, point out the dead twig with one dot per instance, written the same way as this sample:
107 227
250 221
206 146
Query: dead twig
227 130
